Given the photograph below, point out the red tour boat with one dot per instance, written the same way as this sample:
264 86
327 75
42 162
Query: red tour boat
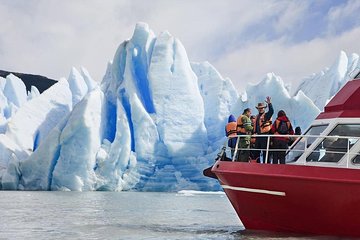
317 191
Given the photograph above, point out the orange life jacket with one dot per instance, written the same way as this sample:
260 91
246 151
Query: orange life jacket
240 125
231 129
265 126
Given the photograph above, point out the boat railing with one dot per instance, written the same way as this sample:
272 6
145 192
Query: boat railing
313 146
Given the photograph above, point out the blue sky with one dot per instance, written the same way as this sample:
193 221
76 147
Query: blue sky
243 39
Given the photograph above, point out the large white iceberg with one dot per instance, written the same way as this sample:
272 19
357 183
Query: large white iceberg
321 87
153 124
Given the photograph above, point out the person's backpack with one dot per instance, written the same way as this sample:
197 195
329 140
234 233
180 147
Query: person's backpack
283 127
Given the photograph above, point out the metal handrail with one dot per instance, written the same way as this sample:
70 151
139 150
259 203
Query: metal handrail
297 140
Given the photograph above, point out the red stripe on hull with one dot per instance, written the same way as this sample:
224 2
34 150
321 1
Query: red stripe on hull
317 200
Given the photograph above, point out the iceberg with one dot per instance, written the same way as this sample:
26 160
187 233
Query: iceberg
154 122
273 86
329 80
219 96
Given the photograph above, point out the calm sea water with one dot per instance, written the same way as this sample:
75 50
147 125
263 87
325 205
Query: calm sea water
123 215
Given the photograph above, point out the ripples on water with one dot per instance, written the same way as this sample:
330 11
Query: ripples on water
122 215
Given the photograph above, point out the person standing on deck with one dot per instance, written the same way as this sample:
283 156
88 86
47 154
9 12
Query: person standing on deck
244 127
281 126
230 131
252 139
262 126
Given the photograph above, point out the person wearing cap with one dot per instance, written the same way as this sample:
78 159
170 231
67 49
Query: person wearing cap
230 131
262 126
244 127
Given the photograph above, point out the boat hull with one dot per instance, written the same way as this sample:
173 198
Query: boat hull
293 198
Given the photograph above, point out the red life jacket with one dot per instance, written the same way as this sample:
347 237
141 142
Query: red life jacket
277 132
231 129
277 124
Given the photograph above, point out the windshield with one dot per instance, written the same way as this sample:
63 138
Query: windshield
298 148
333 149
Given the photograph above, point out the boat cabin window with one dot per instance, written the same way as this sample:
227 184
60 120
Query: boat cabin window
299 146
332 149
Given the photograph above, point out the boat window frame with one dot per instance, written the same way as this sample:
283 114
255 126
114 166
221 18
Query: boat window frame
339 151
303 149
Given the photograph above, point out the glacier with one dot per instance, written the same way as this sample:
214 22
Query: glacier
330 80
153 123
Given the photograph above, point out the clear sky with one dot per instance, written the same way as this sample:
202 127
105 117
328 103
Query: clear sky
243 39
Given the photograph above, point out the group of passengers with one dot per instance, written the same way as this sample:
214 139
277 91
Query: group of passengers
248 127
